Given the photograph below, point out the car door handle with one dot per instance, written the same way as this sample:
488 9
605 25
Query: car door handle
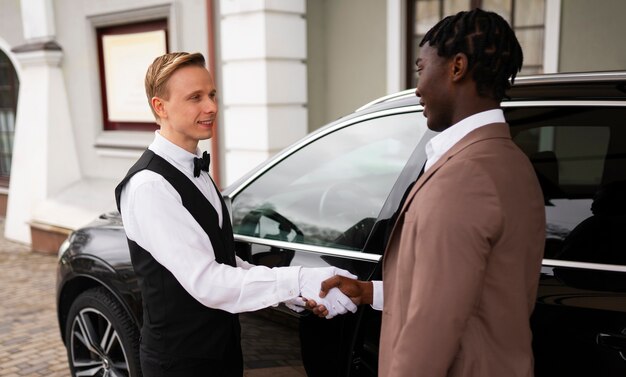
613 341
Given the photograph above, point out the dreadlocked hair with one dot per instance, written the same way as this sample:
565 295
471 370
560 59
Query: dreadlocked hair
493 53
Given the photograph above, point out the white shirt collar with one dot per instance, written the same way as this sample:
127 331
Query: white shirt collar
172 152
440 144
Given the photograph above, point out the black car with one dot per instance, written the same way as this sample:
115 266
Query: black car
331 199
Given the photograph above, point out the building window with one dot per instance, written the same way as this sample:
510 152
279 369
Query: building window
526 17
124 54
9 86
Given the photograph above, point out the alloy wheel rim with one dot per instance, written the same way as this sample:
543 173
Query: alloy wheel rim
96 348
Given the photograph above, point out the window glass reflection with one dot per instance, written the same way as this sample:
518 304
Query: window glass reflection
579 155
330 192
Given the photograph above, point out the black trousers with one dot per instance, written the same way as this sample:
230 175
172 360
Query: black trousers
156 365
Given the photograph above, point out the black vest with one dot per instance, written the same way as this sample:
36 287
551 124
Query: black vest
174 323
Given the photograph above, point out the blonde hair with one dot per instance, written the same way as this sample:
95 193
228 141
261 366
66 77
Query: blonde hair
162 68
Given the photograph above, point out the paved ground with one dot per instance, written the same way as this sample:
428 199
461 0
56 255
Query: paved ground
30 343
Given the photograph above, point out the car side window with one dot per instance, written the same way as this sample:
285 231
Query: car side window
579 155
330 192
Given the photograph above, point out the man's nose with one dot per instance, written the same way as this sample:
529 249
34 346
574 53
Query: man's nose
210 106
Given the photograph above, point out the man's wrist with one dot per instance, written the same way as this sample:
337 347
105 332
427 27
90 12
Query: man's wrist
367 297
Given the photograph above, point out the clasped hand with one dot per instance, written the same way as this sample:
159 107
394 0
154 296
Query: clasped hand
334 301
359 292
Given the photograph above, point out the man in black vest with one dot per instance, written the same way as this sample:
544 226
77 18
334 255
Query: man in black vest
181 241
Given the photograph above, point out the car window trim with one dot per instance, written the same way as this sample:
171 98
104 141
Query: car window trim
535 103
309 248
583 265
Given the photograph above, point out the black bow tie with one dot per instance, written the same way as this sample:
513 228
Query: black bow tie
201 164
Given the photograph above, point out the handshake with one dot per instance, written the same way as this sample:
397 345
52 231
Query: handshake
328 292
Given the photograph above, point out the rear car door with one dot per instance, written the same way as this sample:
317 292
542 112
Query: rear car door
578 150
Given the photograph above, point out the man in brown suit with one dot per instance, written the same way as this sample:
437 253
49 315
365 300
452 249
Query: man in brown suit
462 265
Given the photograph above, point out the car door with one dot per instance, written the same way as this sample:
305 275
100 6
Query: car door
317 205
579 153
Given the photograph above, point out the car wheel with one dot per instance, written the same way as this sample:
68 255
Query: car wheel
100 337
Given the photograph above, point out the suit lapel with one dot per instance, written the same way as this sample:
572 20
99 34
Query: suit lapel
490 131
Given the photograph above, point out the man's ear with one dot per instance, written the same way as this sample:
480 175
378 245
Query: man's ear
158 106
459 66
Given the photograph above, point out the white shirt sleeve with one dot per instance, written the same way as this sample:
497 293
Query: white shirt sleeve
156 220
378 298
243 264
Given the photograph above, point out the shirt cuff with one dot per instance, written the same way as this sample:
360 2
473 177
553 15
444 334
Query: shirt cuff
378 300
288 280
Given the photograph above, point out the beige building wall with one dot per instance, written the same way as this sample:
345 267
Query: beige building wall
592 35
346 57
10 25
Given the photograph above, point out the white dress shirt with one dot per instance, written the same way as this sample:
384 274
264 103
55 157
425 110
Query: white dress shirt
154 217
441 144
435 149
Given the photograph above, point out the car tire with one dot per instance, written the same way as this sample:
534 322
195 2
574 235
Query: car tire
100 337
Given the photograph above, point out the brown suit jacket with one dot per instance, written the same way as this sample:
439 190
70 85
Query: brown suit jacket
462 266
